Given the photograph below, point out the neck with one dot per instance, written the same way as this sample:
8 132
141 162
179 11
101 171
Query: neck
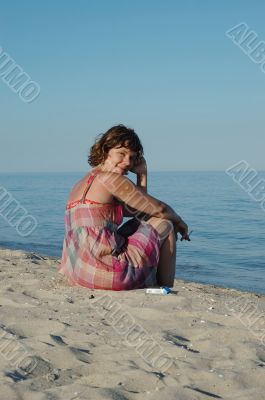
97 168
102 168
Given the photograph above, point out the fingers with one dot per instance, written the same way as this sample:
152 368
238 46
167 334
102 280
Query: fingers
185 237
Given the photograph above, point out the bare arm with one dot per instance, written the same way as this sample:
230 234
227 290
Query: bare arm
178 223
133 197
142 181
142 185
130 194
170 214
167 212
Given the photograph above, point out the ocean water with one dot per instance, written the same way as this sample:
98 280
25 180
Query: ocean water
227 246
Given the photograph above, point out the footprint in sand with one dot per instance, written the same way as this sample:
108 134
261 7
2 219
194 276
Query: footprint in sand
80 353
261 357
31 367
179 341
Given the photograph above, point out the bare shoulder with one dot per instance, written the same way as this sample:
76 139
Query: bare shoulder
126 191
110 179
97 192
116 184
77 189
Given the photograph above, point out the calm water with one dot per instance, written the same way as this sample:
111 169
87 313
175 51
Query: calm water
227 247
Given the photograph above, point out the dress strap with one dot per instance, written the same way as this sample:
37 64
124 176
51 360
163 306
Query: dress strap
89 183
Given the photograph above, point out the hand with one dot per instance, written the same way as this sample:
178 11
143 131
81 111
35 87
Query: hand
140 166
183 229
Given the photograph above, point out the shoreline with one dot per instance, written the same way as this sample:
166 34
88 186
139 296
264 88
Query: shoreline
201 341
56 258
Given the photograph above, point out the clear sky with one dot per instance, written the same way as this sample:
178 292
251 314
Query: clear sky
163 67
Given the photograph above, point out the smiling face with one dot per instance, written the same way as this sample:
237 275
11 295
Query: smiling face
119 160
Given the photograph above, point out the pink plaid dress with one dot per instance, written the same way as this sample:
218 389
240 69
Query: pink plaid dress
96 256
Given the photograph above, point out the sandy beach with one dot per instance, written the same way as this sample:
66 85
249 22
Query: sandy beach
65 342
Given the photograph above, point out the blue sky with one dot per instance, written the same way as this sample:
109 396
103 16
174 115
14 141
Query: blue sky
164 68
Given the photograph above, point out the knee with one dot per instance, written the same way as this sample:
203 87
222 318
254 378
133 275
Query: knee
164 227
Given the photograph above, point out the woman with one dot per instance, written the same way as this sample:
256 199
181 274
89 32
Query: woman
142 252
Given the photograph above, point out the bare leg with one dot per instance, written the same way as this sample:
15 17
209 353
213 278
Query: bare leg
166 268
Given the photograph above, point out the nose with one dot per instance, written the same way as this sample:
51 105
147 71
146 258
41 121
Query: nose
127 161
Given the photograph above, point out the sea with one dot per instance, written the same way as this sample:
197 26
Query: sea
227 246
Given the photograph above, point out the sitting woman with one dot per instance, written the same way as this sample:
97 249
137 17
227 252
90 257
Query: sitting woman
96 252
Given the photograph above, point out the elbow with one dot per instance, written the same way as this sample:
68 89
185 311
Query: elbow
160 212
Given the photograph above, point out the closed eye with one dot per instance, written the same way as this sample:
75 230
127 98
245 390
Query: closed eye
133 158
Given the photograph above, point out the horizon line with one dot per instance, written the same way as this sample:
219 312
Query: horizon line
75 172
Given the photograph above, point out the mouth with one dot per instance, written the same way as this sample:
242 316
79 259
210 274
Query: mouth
122 169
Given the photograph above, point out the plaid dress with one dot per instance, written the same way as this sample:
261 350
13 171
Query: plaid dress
96 256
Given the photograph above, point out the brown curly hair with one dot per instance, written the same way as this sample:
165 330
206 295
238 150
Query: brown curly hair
117 136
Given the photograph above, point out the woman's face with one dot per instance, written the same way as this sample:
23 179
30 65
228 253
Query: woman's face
120 160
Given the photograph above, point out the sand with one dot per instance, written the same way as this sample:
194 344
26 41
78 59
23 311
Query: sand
63 342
